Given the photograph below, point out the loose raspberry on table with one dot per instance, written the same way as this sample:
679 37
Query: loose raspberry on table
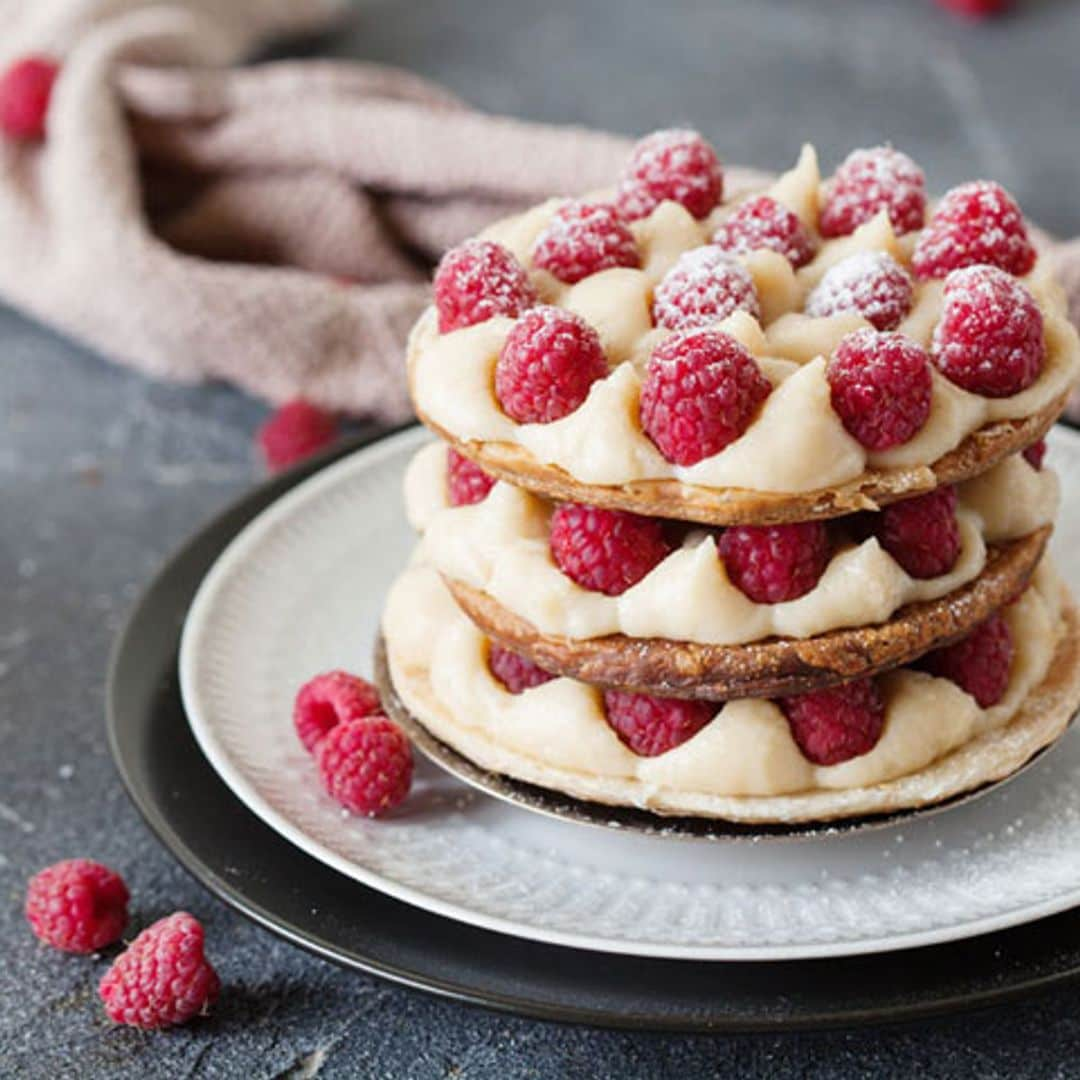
548 362
77 905
295 432
478 280
584 238
25 90
835 725
331 699
975 9
676 164
466 482
990 337
1035 454
880 387
869 181
974 223
606 551
702 389
163 977
921 534
979 663
705 285
516 672
871 284
653 725
763 222
366 765
773 563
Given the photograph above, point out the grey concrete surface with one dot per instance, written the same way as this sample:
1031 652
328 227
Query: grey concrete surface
103 473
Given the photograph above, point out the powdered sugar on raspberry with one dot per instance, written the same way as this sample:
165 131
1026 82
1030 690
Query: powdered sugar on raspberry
871 284
869 181
977 222
705 285
476 281
764 224
990 338
676 164
583 238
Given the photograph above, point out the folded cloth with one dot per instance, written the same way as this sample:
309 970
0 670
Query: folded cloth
272 226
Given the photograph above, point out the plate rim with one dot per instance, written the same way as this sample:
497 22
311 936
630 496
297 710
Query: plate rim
250 535
230 521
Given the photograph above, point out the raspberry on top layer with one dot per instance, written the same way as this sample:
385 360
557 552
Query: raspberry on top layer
789 272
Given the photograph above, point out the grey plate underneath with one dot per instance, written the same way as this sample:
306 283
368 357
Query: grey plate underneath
252 868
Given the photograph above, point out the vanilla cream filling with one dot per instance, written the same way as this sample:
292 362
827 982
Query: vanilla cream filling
499 543
745 750
797 443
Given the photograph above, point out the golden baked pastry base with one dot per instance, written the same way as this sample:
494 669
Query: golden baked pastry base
737 506
985 760
768 668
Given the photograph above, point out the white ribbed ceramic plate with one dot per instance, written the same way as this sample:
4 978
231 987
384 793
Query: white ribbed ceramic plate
300 590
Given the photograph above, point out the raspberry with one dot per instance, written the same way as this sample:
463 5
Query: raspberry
835 725
871 284
774 563
701 390
294 433
974 223
25 90
1035 454
466 482
162 978
704 286
548 362
653 725
77 905
514 671
676 164
869 181
329 700
605 550
990 337
922 534
478 280
584 238
974 9
979 663
881 387
366 765
765 223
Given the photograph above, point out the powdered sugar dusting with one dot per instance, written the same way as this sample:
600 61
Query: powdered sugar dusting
763 223
584 238
990 337
677 164
977 222
871 283
869 181
703 287
477 281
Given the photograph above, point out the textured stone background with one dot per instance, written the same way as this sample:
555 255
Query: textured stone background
102 474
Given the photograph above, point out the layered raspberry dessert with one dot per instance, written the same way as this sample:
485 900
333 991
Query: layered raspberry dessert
740 506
